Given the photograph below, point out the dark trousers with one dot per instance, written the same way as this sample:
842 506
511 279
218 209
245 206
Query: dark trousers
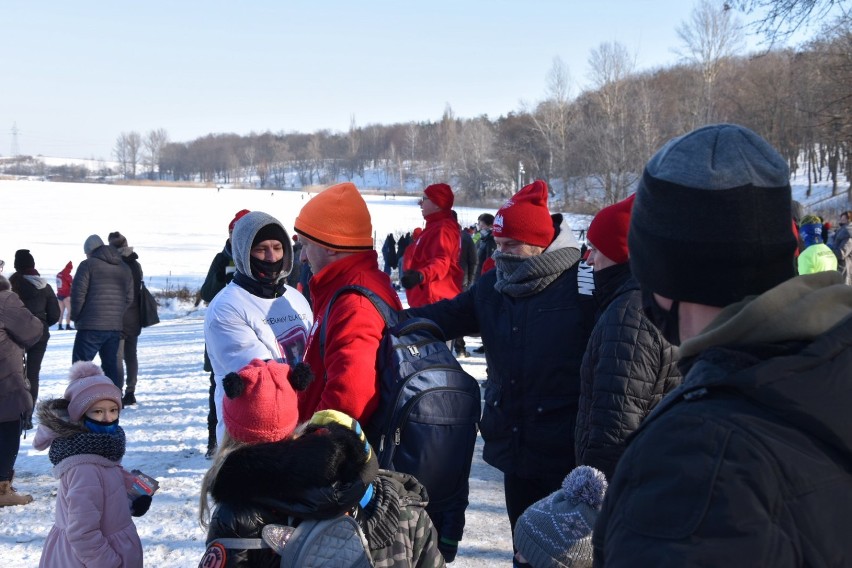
10 443
127 357
91 342
521 492
212 422
35 355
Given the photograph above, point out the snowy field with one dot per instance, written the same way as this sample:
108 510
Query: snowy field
176 232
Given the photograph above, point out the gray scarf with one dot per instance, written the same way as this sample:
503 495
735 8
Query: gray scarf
521 276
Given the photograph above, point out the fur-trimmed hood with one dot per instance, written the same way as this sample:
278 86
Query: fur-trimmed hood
54 422
316 474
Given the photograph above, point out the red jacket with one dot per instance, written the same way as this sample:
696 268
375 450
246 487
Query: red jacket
63 282
436 255
346 379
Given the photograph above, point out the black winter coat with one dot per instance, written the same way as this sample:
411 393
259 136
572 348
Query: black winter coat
627 369
467 259
101 291
221 272
534 347
484 249
39 298
747 463
132 325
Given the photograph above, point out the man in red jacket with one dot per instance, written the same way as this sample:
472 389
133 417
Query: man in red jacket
432 272
337 241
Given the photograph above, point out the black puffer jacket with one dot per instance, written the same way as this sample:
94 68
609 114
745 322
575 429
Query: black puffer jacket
749 461
132 325
627 369
39 298
535 345
101 291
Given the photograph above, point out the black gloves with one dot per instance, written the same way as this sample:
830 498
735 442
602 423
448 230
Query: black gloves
140 505
410 279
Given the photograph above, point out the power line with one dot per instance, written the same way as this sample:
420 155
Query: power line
15 150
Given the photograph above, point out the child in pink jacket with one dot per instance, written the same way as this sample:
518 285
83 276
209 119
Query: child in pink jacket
93 526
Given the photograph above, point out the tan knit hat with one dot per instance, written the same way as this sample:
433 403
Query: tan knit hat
338 219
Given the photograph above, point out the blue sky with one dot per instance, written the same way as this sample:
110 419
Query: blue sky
75 75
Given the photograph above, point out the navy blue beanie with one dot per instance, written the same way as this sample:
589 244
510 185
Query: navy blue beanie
712 222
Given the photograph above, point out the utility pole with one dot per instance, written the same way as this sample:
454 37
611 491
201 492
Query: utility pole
520 175
15 150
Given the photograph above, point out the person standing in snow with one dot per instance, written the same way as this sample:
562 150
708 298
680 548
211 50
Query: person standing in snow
256 316
842 247
100 294
132 327
629 366
94 510
63 294
337 241
747 463
432 270
535 321
38 297
19 329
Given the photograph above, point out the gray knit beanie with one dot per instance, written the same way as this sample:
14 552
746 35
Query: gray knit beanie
92 243
556 532
712 222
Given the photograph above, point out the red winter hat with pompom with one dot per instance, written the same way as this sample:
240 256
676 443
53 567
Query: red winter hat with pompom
608 230
441 195
525 217
240 214
87 385
260 403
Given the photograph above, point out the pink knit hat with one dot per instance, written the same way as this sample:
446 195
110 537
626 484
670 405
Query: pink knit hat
87 385
260 403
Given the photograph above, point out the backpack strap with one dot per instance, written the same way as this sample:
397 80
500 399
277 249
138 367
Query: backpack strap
240 543
385 310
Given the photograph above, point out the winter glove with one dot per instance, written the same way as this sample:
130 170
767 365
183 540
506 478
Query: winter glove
410 279
140 505
448 548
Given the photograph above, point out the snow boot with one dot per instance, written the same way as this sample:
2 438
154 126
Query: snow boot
128 399
60 327
8 495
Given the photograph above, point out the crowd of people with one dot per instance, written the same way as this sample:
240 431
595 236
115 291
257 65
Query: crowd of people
686 409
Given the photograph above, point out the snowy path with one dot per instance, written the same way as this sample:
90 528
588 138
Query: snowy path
167 435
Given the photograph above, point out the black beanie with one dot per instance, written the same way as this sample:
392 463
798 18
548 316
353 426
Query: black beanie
712 222
272 231
24 260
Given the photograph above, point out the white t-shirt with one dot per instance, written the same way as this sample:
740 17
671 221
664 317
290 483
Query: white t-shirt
240 326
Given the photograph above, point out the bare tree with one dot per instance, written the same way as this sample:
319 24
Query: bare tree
710 37
553 117
778 19
154 143
608 130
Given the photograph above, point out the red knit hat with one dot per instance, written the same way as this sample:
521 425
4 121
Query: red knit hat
441 195
237 217
525 217
260 400
608 231
338 219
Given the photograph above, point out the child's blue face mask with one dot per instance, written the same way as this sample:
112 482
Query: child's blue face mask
101 427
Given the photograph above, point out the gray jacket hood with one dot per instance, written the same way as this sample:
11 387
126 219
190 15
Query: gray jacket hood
244 232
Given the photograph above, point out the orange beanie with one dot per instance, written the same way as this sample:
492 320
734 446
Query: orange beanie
338 219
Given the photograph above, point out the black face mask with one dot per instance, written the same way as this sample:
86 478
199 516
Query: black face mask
266 272
665 320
